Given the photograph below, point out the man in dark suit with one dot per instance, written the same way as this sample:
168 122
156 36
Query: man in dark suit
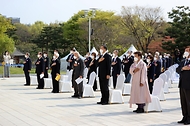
40 70
78 72
127 62
46 61
70 60
184 87
104 64
87 60
157 64
55 67
27 68
116 67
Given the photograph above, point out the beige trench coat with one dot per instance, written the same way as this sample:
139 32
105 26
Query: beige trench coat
139 95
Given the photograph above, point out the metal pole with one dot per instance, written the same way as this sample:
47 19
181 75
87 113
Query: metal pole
89 37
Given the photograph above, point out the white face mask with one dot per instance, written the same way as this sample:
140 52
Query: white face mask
148 60
45 55
38 56
26 56
92 57
71 52
114 55
75 57
101 51
155 58
186 54
136 59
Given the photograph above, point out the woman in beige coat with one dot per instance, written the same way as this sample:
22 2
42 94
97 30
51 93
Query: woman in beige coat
140 94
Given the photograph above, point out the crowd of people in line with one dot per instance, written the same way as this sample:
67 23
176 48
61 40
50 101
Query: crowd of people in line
139 70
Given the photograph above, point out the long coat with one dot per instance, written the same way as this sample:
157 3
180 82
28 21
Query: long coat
139 95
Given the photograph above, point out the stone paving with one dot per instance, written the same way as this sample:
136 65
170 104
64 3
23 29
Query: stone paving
27 106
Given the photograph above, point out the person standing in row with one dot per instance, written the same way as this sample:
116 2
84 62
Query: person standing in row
40 70
7 58
70 60
116 67
127 62
93 68
150 71
27 68
55 70
104 64
140 94
78 72
157 64
46 61
184 87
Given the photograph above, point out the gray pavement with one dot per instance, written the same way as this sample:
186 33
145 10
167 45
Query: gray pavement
27 106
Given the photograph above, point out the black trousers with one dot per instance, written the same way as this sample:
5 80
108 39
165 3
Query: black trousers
55 84
46 73
78 88
104 87
40 82
27 76
150 84
114 80
185 103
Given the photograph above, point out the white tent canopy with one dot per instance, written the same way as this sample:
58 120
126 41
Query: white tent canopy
64 62
131 48
94 50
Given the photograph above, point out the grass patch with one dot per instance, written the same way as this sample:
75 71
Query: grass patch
17 70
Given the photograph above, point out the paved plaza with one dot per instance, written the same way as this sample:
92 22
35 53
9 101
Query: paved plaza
27 106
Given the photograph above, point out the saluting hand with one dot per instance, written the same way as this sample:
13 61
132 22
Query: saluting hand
101 59
136 70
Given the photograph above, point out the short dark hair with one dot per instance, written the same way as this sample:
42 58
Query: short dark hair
138 53
40 53
104 46
45 52
151 57
27 53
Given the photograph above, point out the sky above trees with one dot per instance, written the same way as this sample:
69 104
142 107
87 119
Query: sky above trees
61 10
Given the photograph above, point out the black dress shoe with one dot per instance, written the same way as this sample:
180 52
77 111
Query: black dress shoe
26 84
99 102
140 110
79 97
74 96
187 123
136 110
37 88
105 103
182 121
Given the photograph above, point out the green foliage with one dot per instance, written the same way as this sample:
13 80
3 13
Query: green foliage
179 28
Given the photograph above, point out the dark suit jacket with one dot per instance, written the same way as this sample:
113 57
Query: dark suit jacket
46 61
79 69
128 64
158 68
184 76
87 61
70 64
27 65
40 67
104 66
56 68
151 71
117 67
92 68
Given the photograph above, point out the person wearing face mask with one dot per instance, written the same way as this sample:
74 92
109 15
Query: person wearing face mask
55 70
184 87
127 62
150 72
140 94
104 64
116 67
46 61
87 60
70 60
78 72
40 68
7 58
27 68
93 68
157 64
